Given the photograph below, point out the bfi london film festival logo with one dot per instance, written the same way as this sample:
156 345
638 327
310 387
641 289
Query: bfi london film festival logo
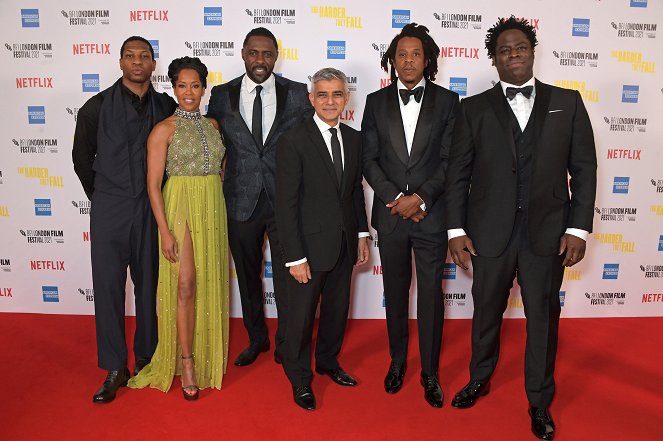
606 298
212 16
630 93
617 214
29 18
36 145
268 298
336 49
43 236
652 271
574 58
83 207
626 124
162 82
211 48
658 184
588 95
456 20
50 294
455 298
616 240
272 16
43 207
338 15
87 17
400 18
30 50
5 265
580 27
34 82
635 29
87 294
635 59
72 111
90 82
36 115
458 85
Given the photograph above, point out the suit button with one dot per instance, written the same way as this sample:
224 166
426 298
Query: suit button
522 156
260 156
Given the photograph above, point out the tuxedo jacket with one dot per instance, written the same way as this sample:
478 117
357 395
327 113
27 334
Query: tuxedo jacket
390 170
482 178
249 169
311 210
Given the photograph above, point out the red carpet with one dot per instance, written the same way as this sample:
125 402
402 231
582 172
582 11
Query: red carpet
609 376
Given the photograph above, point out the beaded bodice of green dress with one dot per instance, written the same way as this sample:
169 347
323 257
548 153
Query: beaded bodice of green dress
196 148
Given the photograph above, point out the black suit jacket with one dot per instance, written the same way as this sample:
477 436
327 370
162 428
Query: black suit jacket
387 167
249 169
482 179
311 210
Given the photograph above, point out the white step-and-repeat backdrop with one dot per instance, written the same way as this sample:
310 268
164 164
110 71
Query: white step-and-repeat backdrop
56 55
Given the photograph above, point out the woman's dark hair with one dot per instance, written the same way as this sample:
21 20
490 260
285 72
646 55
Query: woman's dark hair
504 24
194 63
136 38
431 50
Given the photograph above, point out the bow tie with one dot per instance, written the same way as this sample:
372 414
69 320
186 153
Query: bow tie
511 92
405 94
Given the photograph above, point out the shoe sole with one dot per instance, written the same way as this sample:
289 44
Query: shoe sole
470 404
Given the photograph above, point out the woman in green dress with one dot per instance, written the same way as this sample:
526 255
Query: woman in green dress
191 215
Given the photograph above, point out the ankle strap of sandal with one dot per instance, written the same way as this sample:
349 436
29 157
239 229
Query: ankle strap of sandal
187 357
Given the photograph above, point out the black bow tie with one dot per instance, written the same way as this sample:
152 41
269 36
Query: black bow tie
511 92
405 94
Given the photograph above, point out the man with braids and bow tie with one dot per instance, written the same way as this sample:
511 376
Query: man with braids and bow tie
407 129
508 205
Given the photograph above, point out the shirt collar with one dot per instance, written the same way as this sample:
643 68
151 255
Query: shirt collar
323 126
422 83
267 86
531 82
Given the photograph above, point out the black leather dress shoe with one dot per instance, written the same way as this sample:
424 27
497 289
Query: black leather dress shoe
432 390
140 364
304 397
470 393
338 375
277 358
543 426
394 379
249 355
114 380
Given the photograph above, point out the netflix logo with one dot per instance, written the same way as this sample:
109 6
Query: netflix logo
149 15
53 265
620 153
91 48
34 83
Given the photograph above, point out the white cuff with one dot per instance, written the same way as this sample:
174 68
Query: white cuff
578 233
364 234
296 262
456 232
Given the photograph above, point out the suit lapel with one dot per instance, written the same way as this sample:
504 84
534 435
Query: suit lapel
396 131
424 124
496 99
281 98
541 103
321 148
350 160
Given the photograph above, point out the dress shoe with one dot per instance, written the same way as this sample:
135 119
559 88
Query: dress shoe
470 393
338 375
394 379
140 364
277 358
304 397
432 390
249 355
114 380
543 426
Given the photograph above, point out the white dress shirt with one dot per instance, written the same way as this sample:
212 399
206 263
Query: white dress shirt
327 136
247 96
522 108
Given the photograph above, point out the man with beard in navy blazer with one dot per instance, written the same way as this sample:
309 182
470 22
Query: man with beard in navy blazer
406 131
253 111
508 204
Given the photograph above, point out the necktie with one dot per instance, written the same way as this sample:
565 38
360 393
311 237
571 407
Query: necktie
511 92
336 156
256 123
405 94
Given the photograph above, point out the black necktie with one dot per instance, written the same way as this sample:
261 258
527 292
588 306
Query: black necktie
405 94
336 156
511 92
256 124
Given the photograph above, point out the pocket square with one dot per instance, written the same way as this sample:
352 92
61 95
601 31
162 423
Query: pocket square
555 111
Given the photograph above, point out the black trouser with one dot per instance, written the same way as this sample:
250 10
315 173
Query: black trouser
246 241
123 233
303 299
540 278
430 251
